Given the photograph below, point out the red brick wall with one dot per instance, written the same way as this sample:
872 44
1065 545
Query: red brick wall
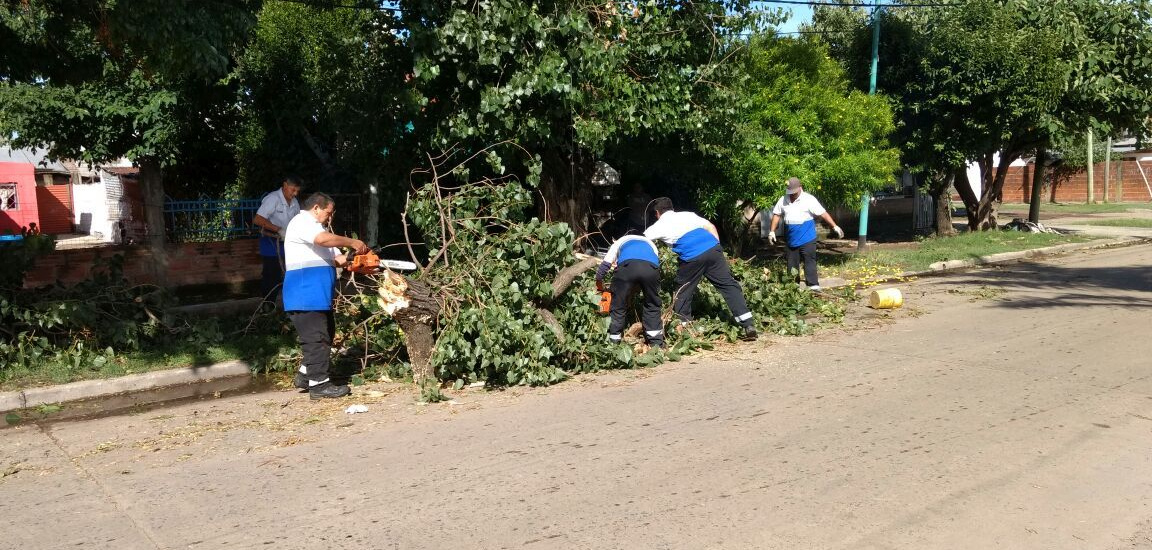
1125 184
226 262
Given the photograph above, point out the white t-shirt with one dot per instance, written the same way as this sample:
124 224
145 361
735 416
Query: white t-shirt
685 232
799 217
310 269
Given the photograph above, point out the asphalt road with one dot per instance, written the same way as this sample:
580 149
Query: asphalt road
1004 408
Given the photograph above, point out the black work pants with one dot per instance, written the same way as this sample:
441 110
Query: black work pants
711 265
271 277
806 253
629 275
315 330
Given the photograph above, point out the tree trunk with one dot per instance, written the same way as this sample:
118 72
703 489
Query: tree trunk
940 189
417 321
371 195
152 187
564 279
1037 185
967 195
566 190
982 210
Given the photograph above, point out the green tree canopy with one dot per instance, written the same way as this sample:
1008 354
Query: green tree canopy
982 78
800 118
567 78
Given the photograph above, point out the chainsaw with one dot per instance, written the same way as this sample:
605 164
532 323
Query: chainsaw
369 263
605 298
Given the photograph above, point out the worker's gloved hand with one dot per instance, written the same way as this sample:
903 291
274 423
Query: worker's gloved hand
839 232
771 237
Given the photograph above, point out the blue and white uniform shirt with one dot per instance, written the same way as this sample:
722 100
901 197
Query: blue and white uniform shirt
275 209
685 232
632 247
310 269
799 217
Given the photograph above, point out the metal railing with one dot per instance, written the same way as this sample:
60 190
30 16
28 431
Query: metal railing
208 220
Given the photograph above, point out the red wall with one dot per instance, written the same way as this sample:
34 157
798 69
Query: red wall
1125 184
24 175
189 264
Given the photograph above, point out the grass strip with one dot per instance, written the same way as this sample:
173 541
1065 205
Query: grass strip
889 262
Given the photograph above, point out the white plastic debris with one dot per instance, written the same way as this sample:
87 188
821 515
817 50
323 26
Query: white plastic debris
353 409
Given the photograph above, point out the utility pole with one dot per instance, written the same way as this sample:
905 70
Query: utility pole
862 241
1091 169
1107 167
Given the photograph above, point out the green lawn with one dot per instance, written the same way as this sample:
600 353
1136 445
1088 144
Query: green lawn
256 349
1078 208
891 261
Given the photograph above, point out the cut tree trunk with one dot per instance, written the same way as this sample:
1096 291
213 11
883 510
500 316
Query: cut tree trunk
415 309
565 278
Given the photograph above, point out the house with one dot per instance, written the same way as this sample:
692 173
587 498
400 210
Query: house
18 207
68 197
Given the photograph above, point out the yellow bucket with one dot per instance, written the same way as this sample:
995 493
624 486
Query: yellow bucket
886 298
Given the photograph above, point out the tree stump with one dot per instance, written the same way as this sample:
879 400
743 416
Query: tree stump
415 309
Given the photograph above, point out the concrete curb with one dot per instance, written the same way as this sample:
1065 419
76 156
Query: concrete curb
88 389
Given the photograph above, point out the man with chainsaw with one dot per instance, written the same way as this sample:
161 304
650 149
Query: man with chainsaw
637 265
276 210
799 210
697 246
311 258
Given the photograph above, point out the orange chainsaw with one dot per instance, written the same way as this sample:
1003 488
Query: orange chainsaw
605 298
367 263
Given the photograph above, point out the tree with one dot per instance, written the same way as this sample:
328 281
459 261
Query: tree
799 117
325 97
96 80
1000 78
566 78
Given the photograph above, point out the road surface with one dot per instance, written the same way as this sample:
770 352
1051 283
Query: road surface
1003 408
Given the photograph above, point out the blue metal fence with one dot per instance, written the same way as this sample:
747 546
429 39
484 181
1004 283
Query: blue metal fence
208 220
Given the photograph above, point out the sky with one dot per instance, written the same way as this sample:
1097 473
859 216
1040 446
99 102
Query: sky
800 14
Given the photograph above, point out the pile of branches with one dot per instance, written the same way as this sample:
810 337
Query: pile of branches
502 298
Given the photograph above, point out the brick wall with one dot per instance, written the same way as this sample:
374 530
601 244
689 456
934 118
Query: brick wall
1125 184
189 264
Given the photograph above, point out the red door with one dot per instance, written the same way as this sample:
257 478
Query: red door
55 204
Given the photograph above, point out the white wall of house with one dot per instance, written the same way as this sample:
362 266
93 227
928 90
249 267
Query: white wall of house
99 206
976 182
90 210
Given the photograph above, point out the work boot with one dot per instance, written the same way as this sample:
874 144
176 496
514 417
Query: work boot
300 381
750 334
328 390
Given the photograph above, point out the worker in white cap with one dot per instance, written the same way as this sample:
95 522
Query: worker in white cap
800 211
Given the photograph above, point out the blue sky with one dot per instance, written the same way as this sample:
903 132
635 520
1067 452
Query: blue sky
800 14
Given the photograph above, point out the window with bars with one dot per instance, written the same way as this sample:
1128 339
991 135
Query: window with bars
8 196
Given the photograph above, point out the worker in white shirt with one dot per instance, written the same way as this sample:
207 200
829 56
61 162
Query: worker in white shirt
637 265
697 246
276 210
800 211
